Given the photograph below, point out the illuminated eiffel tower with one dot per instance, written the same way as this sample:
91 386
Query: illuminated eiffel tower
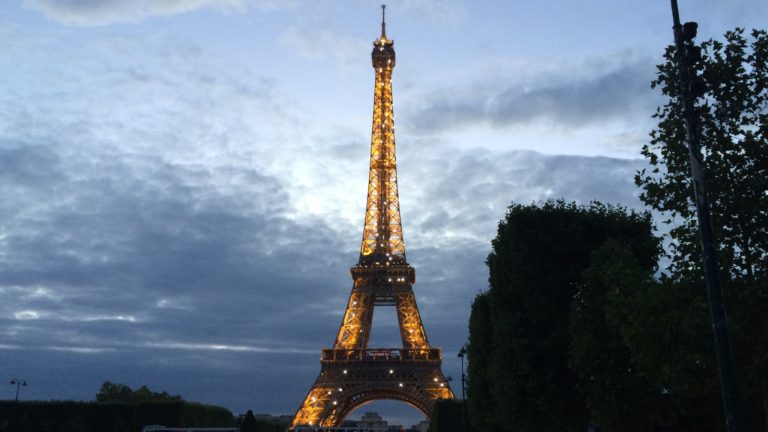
353 374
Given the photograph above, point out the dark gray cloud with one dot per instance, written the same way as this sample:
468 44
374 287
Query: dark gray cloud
589 94
149 239
152 262
123 269
463 193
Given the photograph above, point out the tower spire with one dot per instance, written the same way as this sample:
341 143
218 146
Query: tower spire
383 22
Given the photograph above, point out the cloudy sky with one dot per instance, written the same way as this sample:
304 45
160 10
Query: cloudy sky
182 182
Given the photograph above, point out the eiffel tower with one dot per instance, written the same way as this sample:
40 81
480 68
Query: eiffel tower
352 374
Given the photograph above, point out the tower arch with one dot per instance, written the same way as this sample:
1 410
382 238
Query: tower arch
366 397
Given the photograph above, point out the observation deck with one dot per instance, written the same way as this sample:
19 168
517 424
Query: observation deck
382 355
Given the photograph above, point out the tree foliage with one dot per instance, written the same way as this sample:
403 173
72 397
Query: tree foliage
618 397
536 267
733 133
249 423
111 392
67 416
641 348
446 416
480 400
262 423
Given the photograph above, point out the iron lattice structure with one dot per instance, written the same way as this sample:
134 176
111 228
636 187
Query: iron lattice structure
351 373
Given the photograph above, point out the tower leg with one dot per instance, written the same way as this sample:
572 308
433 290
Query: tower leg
408 317
355 329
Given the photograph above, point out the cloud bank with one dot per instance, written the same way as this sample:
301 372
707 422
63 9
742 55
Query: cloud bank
564 99
179 222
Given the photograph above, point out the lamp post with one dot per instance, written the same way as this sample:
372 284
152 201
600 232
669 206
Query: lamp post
461 354
18 383
691 87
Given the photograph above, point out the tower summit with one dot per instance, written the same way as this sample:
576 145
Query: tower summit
353 374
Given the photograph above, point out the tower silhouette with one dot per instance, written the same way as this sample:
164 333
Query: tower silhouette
353 374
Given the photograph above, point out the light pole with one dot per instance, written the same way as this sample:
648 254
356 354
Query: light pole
691 87
18 383
461 354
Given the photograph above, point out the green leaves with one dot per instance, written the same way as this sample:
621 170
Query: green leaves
618 397
482 405
111 392
666 324
733 132
520 377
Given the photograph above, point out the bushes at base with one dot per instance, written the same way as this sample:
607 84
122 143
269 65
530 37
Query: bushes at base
262 422
60 416
447 416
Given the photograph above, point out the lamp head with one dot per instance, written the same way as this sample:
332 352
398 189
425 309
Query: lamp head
689 30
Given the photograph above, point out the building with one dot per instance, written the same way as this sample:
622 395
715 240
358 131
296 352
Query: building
422 426
372 420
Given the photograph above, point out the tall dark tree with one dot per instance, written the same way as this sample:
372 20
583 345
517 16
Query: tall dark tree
481 406
619 398
446 416
733 131
641 349
665 325
536 266
249 423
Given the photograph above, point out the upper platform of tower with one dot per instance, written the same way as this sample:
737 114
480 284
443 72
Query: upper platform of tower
383 54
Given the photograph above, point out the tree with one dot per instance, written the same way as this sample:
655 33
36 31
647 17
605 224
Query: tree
535 267
733 130
249 423
144 394
75 424
734 139
619 398
111 392
446 416
641 349
481 405
665 325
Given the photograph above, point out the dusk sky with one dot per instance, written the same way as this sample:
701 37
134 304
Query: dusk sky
183 182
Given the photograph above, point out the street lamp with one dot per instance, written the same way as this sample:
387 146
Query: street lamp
691 87
18 383
461 354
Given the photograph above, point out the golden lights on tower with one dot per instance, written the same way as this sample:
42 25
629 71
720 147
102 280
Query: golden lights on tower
382 232
353 374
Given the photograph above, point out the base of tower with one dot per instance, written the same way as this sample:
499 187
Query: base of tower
351 378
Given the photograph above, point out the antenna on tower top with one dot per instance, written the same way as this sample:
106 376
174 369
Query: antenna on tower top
383 22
